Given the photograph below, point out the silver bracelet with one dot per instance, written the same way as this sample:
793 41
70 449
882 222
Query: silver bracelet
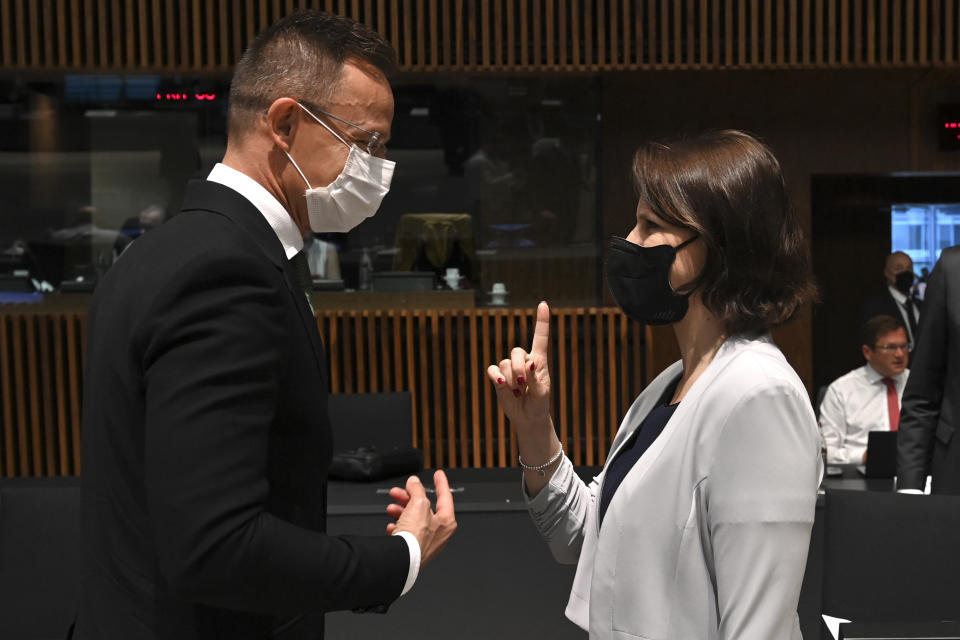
541 469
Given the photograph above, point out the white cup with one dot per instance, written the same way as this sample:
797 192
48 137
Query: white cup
453 278
498 295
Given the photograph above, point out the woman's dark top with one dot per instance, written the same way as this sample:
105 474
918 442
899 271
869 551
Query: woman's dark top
651 427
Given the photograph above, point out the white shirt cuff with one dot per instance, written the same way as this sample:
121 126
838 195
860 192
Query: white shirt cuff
414 547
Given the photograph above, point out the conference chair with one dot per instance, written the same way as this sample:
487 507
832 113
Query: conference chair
818 399
363 420
39 556
891 557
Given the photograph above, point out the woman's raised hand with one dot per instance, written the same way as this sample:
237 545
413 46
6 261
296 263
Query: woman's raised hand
522 381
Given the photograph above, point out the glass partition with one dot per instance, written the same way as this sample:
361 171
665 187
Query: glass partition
495 190
923 231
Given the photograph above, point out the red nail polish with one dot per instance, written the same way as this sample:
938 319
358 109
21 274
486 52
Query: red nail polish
533 366
516 392
499 380
521 380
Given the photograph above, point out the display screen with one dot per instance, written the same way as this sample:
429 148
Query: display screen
949 127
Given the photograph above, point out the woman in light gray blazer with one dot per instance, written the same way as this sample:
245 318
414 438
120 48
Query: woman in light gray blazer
699 524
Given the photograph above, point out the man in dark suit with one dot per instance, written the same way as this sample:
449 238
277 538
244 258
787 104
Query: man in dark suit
927 443
206 439
897 299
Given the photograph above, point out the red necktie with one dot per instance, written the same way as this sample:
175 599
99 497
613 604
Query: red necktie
893 405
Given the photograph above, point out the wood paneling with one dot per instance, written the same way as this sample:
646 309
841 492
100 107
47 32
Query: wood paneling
41 359
597 360
496 35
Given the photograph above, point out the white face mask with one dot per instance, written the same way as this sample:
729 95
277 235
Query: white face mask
353 196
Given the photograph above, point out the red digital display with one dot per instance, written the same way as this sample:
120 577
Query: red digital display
185 97
949 134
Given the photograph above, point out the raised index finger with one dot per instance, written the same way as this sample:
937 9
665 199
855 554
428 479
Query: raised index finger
541 332
444 495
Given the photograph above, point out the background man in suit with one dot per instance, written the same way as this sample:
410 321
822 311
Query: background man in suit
867 398
931 402
206 442
897 299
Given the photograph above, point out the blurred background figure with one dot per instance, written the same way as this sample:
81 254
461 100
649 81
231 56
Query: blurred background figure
88 250
553 185
83 230
867 398
151 217
897 299
495 183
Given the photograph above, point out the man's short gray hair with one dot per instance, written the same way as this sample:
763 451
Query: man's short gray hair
300 56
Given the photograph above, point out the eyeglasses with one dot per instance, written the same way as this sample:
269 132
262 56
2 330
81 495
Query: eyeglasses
892 348
373 146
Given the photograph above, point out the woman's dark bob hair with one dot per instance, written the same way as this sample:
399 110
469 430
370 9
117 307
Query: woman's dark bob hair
727 186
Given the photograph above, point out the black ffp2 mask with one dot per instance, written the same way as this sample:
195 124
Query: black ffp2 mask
903 281
639 279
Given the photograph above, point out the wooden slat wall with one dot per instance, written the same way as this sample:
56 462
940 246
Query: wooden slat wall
495 35
41 369
440 356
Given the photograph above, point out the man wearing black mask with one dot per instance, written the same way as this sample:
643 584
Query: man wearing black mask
897 300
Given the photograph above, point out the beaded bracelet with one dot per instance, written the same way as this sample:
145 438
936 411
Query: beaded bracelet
540 469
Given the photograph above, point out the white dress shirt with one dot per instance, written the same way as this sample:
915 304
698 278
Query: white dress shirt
289 235
854 405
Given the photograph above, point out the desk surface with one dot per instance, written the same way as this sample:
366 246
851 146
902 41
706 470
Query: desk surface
498 489
323 301
474 490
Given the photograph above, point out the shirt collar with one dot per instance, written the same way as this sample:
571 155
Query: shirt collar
277 217
874 376
899 297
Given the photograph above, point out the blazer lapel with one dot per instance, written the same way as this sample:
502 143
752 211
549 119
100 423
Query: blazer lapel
222 200
644 404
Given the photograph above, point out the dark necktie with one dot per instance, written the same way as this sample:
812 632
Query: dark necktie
893 404
299 262
911 319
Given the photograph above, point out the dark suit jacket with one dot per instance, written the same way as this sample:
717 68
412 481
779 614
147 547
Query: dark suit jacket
931 399
206 442
883 304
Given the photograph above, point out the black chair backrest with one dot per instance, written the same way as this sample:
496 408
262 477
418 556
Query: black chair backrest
891 557
39 556
380 420
818 399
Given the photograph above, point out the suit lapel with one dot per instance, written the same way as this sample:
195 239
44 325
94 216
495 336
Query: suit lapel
222 200
306 315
